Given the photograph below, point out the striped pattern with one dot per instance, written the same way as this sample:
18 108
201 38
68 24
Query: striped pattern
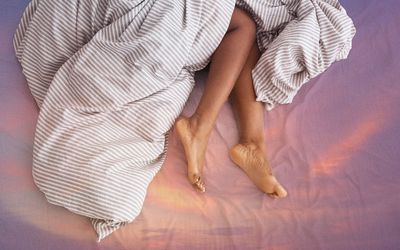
299 39
110 78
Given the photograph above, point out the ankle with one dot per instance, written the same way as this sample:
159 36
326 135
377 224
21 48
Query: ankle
254 143
199 125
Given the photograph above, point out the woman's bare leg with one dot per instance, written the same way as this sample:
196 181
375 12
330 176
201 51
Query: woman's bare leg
226 64
250 152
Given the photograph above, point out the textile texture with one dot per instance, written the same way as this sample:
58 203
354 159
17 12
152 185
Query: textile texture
110 78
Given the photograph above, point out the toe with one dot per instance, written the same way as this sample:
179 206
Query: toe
201 187
198 183
281 192
273 195
195 179
277 189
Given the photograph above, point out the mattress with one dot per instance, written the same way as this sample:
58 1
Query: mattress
335 148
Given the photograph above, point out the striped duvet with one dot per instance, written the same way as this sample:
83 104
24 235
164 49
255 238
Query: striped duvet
110 78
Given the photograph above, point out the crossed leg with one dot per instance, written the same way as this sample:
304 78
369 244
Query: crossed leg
250 153
231 65
226 64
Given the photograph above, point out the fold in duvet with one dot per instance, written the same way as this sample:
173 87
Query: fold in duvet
110 78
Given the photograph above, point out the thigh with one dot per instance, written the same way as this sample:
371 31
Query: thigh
241 20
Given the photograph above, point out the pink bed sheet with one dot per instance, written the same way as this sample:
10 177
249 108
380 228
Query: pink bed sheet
335 148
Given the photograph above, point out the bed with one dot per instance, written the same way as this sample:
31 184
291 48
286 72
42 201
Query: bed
335 148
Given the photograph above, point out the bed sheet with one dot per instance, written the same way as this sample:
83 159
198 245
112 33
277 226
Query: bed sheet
335 149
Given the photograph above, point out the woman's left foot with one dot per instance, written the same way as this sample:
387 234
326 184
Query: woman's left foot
251 159
195 148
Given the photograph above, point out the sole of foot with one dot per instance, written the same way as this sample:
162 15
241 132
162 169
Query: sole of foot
252 161
191 146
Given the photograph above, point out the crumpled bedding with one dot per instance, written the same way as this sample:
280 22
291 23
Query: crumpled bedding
110 77
109 82
299 39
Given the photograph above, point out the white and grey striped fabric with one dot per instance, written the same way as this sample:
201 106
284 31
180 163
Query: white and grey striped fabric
111 76
299 39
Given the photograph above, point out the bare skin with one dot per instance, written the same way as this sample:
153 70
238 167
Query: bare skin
226 64
250 153
230 77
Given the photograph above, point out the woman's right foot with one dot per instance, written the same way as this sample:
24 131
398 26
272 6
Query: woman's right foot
195 146
251 159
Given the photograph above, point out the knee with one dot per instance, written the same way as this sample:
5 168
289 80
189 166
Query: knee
243 22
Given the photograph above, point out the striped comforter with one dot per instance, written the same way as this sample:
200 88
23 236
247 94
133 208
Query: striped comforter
111 76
